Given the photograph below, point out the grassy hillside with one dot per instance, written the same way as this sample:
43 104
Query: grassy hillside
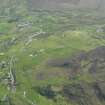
48 57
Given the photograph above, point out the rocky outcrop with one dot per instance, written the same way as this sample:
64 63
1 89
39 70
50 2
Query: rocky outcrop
83 63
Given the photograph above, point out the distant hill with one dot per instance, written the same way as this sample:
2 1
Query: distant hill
56 4
8 7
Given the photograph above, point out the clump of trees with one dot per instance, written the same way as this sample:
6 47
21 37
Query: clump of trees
46 91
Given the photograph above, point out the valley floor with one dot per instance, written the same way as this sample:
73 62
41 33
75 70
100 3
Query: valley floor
52 58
